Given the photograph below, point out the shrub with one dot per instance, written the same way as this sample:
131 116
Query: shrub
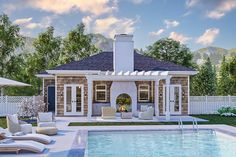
227 110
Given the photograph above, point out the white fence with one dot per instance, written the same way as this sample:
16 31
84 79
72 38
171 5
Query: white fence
210 104
11 104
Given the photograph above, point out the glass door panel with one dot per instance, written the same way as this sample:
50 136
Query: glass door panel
78 99
68 99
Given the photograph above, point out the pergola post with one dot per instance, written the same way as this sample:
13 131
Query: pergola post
90 98
156 101
167 99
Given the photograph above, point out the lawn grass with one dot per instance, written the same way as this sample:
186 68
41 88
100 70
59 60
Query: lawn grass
212 119
217 119
3 122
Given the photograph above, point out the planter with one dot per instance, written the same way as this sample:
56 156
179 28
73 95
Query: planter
126 115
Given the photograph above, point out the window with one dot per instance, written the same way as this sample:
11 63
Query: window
101 93
143 93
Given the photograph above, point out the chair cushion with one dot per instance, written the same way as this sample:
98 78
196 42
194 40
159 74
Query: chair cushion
26 128
45 117
47 130
14 118
47 124
144 108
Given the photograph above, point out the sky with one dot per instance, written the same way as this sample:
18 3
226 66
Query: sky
196 23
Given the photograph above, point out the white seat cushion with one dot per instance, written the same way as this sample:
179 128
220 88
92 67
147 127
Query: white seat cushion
47 124
14 118
26 128
45 117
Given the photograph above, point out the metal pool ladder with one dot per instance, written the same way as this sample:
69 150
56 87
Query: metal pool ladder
195 124
180 123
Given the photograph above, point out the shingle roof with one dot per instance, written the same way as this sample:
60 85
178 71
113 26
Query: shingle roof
104 62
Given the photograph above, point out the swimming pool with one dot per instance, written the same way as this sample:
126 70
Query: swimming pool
160 144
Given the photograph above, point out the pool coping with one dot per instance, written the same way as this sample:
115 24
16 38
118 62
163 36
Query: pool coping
80 142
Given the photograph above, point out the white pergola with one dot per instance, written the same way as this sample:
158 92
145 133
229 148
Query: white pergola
10 83
155 76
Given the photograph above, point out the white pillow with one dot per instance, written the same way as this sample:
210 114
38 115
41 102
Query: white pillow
144 108
45 117
14 118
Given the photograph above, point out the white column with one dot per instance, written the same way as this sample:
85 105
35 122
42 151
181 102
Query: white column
90 98
156 101
167 99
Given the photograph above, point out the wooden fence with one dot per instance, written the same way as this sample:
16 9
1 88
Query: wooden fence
210 104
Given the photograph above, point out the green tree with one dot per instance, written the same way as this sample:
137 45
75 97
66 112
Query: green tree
224 81
46 56
170 50
204 83
10 40
232 71
77 45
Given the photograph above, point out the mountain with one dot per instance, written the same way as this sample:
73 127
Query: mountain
103 43
215 53
28 47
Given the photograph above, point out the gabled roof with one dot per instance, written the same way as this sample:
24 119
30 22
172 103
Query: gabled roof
104 62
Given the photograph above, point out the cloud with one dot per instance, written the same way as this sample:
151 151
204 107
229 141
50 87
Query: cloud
179 37
221 9
22 21
192 3
140 1
208 36
87 21
157 33
112 25
214 9
95 7
171 23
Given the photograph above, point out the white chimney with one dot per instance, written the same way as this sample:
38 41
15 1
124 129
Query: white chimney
123 53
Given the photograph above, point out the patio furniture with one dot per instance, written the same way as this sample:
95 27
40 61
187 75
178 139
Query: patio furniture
33 137
108 113
147 115
126 115
15 125
45 119
47 130
7 146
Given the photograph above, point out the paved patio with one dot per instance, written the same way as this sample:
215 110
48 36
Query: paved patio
134 119
70 141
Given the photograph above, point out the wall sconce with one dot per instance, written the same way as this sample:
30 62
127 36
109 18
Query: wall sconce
61 94
160 94
183 94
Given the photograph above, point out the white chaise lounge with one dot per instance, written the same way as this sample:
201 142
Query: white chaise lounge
45 119
16 146
33 137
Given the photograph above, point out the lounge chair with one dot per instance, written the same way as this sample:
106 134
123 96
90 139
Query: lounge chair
33 137
108 113
45 119
16 146
147 115
15 125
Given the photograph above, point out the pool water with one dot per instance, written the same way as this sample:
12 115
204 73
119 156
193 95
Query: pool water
160 144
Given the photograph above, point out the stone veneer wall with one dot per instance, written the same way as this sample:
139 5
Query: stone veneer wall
47 82
183 81
108 83
152 90
61 80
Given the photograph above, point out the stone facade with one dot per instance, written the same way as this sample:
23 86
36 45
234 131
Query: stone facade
151 90
108 84
47 82
61 81
183 81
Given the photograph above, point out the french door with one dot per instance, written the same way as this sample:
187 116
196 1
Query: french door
175 99
73 99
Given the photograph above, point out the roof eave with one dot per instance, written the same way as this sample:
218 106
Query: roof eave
73 72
